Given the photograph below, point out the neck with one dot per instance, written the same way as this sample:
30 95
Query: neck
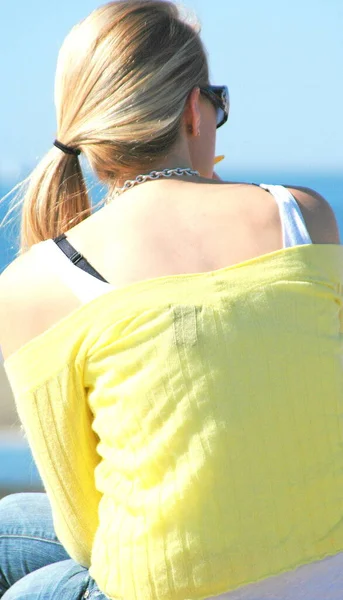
178 158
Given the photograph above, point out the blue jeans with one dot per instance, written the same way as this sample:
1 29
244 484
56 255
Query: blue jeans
33 563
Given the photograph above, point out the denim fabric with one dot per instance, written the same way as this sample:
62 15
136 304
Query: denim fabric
33 563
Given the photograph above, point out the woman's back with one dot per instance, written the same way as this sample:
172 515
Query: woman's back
179 227
161 229
188 227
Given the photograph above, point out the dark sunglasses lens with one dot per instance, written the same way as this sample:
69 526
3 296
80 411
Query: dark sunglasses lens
220 116
222 97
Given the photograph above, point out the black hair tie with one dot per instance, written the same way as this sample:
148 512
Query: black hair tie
67 149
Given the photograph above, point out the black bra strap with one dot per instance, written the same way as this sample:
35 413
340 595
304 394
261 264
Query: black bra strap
76 258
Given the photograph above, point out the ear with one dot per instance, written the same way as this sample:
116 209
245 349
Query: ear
192 115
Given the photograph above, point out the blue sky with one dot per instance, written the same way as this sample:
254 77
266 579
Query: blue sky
282 61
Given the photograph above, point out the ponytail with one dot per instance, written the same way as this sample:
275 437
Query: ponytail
56 198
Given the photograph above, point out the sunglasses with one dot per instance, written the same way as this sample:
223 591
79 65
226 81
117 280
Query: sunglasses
219 96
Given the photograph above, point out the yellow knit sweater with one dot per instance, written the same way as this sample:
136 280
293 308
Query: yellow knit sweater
189 429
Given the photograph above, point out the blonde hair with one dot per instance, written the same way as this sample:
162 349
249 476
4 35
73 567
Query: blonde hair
122 80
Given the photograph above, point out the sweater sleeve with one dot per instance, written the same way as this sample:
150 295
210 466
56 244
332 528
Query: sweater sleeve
58 424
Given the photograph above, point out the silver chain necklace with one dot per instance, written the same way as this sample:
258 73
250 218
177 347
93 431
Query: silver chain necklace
130 183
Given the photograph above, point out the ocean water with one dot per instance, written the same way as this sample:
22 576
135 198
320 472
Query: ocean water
17 468
16 465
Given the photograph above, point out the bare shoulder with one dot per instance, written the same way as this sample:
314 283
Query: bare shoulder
14 281
15 305
31 300
16 272
318 215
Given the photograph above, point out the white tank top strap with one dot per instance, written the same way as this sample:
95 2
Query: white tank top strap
294 231
82 284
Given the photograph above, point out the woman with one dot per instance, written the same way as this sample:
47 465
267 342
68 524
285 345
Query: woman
174 356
